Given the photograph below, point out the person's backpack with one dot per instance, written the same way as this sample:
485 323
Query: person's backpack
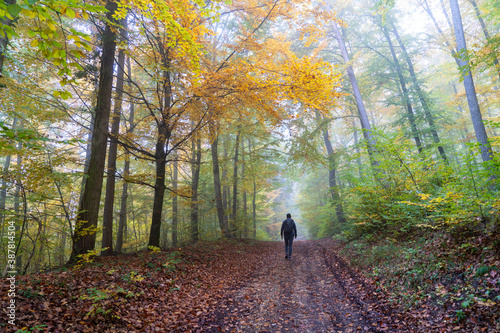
288 228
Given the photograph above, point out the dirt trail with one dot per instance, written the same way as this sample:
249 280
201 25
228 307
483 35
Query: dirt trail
314 292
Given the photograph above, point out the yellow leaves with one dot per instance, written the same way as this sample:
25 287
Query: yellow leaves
274 74
487 303
178 22
51 26
70 13
29 13
423 196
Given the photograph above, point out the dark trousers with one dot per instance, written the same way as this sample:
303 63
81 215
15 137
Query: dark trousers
288 244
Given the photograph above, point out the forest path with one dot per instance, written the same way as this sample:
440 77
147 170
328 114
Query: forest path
223 286
313 292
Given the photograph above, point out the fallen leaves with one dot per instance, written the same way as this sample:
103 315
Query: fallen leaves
227 287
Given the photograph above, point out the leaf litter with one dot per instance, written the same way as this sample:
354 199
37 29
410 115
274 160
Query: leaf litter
225 286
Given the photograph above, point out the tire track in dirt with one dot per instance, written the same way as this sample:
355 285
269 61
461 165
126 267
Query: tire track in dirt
314 292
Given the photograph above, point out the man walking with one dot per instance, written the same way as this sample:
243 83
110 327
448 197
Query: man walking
288 229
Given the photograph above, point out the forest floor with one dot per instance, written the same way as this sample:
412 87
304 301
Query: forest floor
227 286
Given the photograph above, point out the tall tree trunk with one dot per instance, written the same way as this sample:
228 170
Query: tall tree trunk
244 192
477 119
3 189
406 95
421 97
485 31
4 40
159 187
363 116
254 196
134 220
195 175
483 28
164 134
17 194
123 207
217 183
226 195
17 220
122 224
254 209
86 221
332 170
175 207
107 219
235 179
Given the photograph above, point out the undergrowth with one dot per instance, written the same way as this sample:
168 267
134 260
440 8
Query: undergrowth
434 270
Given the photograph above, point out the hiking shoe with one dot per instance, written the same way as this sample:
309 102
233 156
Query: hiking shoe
286 257
289 258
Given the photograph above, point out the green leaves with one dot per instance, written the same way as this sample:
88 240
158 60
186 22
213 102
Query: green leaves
10 137
48 31
14 10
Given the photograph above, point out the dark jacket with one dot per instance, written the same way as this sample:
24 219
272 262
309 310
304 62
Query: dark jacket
294 231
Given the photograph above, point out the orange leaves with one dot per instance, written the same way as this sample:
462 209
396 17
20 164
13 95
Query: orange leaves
276 75
257 68
241 64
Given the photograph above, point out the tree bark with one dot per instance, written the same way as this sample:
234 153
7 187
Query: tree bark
475 112
175 207
195 175
421 97
107 219
235 179
217 185
332 170
86 221
244 192
226 195
4 40
254 210
3 189
17 194
159 187
254 197
164 134
363 116
123 208
406 96
122 224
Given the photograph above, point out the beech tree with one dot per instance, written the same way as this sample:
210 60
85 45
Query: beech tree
405 96
107 235
464 67
363 117
86 222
